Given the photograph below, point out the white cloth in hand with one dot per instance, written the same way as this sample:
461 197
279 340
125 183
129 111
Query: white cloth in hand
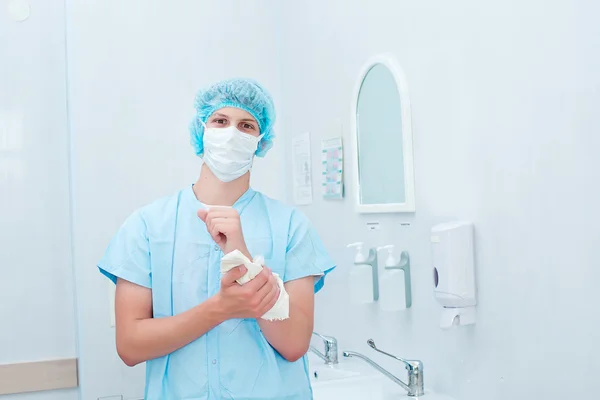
281 309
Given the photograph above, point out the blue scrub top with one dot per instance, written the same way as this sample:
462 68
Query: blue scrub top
165 247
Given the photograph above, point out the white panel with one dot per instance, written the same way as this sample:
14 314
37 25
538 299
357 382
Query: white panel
36 282
67 394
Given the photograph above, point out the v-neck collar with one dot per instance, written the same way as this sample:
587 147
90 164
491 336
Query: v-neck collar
239 205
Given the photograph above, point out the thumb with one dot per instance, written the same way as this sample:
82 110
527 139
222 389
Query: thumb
202 214
233 275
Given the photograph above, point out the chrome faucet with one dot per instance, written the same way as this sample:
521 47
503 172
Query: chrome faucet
414 387
331 349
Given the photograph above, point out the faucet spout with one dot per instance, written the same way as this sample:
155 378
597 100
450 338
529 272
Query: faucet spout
318 353
414 387
380 369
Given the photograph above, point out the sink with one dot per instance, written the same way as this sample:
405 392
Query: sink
328 373
361 388
347 380
353 379
353 388
321 372
395 394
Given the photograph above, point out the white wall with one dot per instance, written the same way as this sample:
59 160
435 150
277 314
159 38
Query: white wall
134 68
36 278
504 99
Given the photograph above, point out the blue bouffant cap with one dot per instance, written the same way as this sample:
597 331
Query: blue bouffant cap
244 94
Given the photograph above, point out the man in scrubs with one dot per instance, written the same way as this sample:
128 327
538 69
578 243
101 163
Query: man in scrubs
200 332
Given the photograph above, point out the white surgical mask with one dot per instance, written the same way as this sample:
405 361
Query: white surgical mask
228 152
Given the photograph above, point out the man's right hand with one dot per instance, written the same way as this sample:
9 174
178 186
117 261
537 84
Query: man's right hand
251 300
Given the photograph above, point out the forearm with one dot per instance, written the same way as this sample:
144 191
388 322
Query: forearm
150 338
291 337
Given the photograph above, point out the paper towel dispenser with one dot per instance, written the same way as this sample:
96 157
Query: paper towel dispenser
453 258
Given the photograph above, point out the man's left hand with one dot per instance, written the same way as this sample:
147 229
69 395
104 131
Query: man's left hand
224 225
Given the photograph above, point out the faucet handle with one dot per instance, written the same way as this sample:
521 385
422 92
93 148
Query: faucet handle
331 349
326 339
411 365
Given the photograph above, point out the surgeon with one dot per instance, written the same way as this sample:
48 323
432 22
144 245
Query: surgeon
199 331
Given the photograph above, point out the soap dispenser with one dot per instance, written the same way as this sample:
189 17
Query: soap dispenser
392 284
360 280
395 283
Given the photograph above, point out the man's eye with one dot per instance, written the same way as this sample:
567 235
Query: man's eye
248 126
220 121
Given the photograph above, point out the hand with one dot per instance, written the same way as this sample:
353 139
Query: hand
224 225
251 300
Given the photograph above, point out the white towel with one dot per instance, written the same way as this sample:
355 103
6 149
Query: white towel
281 309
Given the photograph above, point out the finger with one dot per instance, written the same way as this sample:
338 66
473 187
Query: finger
202 214
264 291
229 225
269 273
233 275
212 231
218 228
224 225
220 232
221 214
258 282
211 217
210 220
270 299
215 231
209 223
224 213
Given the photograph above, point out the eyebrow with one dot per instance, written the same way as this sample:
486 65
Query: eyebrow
220 115
249 120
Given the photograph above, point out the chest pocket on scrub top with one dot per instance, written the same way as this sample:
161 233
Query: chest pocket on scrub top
191 266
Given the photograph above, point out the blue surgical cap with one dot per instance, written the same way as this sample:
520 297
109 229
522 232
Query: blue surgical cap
244 94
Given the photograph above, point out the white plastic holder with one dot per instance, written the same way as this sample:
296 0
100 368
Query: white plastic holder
455 316
453 258
403 265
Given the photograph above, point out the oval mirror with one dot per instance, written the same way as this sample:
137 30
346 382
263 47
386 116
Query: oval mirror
382 151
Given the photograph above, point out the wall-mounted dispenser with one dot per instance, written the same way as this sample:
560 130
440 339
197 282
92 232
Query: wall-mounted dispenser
395 291
454 272
363 279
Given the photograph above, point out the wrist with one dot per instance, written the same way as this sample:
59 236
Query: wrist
218 308
241 246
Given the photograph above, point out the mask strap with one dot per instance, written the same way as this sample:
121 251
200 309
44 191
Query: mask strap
202 122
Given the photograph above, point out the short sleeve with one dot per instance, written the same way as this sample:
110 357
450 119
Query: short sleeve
306 254
128 253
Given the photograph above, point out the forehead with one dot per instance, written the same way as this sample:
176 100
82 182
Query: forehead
234 113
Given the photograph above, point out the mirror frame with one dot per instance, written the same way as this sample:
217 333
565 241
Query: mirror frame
407 140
